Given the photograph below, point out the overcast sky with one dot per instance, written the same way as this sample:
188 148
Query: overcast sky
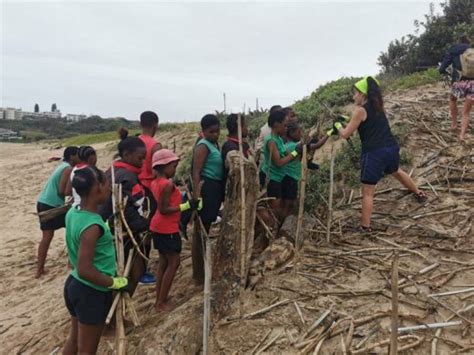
119 58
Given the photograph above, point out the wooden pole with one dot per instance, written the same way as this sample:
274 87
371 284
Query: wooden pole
394 321
243 228
207 297
299 238
331 188
120 328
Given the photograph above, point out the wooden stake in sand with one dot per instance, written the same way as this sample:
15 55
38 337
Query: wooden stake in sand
394 321
331 188
120 328
243 229
299 236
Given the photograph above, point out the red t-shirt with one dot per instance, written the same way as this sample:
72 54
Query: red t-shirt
168 223
146 173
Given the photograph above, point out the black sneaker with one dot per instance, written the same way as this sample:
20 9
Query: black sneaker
364 230
420 197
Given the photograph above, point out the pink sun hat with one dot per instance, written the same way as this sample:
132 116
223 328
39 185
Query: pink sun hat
163 157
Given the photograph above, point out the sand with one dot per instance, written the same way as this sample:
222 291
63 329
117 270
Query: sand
33 317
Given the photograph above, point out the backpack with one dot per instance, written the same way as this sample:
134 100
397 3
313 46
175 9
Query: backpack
467 63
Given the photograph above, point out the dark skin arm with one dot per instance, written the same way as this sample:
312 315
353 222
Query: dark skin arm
85 267
276 155
199 158
65 178
319 143
164 203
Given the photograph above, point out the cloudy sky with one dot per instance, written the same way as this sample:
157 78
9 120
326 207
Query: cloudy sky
119 58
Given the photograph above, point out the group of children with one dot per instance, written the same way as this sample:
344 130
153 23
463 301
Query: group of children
154 205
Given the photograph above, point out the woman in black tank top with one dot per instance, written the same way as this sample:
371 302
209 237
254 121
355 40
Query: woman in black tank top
380 151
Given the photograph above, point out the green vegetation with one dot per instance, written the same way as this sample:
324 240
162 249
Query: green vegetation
433 37
59 128
88 139
395 82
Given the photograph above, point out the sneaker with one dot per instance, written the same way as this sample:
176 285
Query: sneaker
364 230
421 197
147 279
312 166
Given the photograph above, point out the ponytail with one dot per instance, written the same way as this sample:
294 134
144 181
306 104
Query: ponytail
123 133
374 95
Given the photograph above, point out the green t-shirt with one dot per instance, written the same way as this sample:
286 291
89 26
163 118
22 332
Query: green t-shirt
77 221
293 168
214 166
276 173
50 194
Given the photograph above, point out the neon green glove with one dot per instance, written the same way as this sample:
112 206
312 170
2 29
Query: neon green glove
338 125
343 119
185 206
294 154
118 283
200 204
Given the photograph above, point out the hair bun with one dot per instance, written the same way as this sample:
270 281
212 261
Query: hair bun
123 133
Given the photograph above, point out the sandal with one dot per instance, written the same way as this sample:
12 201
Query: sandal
420 197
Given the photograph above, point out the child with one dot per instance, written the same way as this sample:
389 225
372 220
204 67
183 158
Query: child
87 157
380 150
132 153
208 167
165 223
51 197
276 157
90 246
293 168
232 142
149 124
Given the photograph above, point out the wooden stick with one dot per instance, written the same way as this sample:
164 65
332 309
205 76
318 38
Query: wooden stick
394 320
429 326
451 292
259 344
298 309
299 238
266 309
331 188
243 212
270 343
120 328
207 296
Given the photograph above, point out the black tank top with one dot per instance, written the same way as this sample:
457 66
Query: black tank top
375 131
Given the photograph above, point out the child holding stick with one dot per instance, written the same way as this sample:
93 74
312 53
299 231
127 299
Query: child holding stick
276 157
165 224
51 197
132 154
90 245
293 168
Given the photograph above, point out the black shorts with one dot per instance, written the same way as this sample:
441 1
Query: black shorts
377 163
289 188
88 305
167 243
57 222
212 193
274 188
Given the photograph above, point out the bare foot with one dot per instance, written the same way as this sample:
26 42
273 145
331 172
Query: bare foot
454 126
40 272
164 307
461 138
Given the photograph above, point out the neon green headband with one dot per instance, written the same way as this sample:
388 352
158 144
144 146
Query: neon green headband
363 86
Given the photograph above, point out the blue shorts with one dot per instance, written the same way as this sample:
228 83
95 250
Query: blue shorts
377 163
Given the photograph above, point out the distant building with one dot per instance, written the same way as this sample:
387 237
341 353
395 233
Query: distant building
9 113
8 134
75 118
